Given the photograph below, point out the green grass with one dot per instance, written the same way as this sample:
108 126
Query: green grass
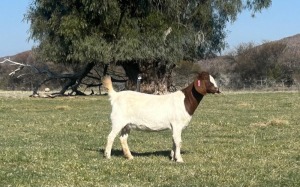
249 139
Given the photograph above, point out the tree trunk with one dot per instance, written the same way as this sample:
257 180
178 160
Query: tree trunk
156 76
76 80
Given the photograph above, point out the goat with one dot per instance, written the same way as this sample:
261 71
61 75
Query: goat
134 110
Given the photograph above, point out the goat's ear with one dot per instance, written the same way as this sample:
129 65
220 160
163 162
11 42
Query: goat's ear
203 76
199 84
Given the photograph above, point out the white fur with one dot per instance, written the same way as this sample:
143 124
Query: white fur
212 80
134 110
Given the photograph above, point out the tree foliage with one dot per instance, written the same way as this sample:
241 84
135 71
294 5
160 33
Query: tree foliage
109 31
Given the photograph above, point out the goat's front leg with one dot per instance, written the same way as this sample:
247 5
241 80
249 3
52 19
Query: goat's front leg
172 155
123 138
175 153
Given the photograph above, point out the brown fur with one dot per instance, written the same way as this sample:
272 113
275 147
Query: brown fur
194 93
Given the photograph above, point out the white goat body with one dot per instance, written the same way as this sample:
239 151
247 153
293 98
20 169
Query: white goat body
148 112
134 110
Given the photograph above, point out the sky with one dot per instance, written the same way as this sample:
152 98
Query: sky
280 20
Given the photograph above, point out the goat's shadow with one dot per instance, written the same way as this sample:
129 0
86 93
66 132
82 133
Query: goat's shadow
118 153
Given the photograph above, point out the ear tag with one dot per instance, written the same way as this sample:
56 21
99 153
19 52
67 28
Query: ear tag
199 83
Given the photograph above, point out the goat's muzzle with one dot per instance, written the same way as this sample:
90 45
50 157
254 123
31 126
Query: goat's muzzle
216 90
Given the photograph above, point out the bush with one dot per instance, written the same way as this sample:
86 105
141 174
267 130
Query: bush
262 63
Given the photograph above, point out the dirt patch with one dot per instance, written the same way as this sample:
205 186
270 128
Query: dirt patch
273 122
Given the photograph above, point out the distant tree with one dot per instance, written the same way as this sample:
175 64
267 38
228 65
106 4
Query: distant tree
260 62
146 37
242 48
290 63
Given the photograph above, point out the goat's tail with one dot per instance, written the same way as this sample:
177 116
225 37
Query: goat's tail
107 83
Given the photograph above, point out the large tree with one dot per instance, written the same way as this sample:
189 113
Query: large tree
146 37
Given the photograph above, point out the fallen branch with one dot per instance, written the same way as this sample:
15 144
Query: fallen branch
41 75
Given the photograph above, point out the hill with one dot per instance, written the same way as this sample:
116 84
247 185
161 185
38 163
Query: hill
292 41
270 64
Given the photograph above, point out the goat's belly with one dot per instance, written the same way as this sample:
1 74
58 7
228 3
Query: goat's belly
148 127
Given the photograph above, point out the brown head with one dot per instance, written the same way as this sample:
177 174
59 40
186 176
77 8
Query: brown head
203 84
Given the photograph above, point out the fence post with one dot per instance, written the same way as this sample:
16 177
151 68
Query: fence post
138 83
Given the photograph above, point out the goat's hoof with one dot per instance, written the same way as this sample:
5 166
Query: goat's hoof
179 160
130 157
106 156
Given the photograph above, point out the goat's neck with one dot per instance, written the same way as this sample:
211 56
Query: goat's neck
192 98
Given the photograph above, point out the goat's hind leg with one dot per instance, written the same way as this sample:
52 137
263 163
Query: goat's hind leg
110 140
123 138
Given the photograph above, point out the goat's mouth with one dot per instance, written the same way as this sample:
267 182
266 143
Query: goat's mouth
215 90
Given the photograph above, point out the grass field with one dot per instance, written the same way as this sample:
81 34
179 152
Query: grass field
246 139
